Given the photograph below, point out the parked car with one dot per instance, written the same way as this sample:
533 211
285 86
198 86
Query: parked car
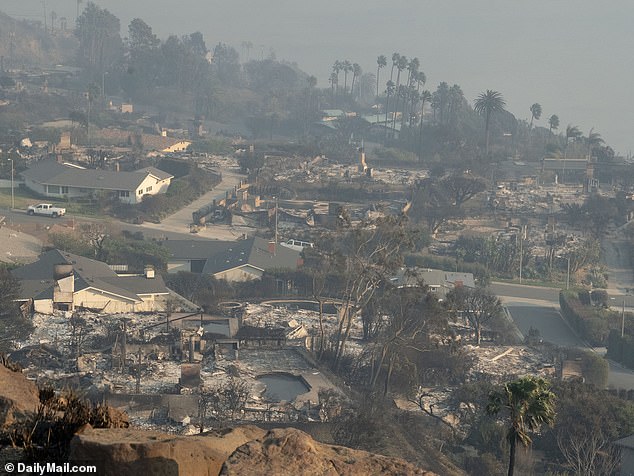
47 209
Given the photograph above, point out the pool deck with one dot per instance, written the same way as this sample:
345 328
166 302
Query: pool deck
316 381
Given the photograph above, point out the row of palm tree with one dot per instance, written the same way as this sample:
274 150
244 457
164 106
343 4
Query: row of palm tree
347 67
404 95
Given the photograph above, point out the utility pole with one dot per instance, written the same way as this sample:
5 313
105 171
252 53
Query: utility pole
276 206
138 373
623 320
568 275
124 343
522 236
12 194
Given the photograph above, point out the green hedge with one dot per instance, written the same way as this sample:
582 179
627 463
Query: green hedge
592 323
621 349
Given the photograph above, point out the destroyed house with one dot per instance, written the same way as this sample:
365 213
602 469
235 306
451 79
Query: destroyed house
250 336
65 281
231 260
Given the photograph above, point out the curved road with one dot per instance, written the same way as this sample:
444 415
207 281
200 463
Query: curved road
538 307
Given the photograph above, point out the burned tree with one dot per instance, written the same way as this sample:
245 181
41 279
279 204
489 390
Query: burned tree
222 402
477 305
364 258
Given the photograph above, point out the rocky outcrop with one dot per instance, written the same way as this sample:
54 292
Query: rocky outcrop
19 397
123 452
292 452
245 451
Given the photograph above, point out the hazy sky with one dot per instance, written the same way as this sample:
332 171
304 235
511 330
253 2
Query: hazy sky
572 56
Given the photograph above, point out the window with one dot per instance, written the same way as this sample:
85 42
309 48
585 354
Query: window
149 189
141 192
124 193
53 189
65 190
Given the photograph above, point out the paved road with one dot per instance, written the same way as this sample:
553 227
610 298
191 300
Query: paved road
539 308
176 226
547 320
536 293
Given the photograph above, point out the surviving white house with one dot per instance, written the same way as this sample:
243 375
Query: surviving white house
64 281
60 180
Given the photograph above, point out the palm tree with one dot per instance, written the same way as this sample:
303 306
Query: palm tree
388 91
421 79
425 96
356 72
336 67
594 140
553 123
536 113
347 67
395 59
572 132
530 403
381 62
488 104
400 66
412 69
333 84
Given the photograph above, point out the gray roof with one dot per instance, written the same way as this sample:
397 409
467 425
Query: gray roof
433 277
196 249
627 442
254 252
48 172
37 278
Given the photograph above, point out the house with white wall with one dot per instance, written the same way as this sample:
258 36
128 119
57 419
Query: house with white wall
65 281
62 180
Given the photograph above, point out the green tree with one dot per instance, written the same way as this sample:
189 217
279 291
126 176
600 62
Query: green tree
100 45
488 104
529 403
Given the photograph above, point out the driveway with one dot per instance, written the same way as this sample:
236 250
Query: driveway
180 221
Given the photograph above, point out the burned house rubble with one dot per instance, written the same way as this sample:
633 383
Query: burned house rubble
155 365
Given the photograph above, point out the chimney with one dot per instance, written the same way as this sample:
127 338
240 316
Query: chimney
149 271
116 166
163 133
271 247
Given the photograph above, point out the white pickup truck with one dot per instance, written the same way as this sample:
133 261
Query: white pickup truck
46 209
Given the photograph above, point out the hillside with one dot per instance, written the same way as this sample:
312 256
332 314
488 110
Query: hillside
24 42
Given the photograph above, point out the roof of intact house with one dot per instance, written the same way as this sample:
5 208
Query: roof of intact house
37 278
433 277
627 442
49 172
196 249
254 252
